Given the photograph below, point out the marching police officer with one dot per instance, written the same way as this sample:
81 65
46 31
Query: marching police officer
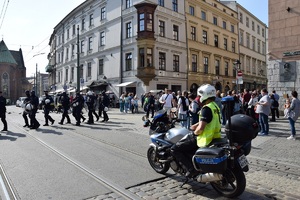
34 101
3 111
65 102
77 105
26 112
48 106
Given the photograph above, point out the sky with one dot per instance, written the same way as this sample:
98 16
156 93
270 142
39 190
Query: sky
28 24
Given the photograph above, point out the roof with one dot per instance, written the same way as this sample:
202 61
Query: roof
5 54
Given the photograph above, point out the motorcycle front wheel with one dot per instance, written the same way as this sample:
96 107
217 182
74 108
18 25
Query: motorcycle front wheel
159 167
233 183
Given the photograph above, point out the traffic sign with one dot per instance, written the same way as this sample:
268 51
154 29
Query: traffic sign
240 73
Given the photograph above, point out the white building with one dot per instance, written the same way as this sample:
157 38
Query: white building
128 45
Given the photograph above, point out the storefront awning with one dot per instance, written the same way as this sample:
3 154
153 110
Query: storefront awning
127 84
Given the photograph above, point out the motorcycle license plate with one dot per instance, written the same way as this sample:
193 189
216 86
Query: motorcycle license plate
243 161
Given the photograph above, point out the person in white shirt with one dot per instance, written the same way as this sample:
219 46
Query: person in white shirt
251 104
166 99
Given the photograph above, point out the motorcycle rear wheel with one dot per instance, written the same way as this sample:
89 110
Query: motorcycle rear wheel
233 183
159 167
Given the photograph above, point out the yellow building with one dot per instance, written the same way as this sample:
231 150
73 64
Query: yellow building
212 42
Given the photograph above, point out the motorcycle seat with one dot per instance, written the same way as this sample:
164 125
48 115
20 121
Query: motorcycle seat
218 141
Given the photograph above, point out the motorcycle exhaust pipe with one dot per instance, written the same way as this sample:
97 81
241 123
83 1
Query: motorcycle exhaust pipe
209 177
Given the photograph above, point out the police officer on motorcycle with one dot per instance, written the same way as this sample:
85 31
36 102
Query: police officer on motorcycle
207 129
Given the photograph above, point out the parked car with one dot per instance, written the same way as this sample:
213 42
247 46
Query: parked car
20 101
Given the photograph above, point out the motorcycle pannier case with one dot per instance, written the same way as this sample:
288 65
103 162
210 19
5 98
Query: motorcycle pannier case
243 129
210 160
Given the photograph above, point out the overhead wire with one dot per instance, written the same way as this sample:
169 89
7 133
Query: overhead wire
4 13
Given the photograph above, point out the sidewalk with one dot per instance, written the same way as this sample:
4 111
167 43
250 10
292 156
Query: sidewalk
274 160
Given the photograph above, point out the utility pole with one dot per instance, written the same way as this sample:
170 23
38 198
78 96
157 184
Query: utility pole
78 63
36 80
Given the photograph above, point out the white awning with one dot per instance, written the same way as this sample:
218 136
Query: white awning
126 84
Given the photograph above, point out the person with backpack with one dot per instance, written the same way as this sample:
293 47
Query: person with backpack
183 107
274 106
194 108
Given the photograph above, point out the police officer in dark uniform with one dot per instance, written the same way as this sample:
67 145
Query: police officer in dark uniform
48 106
77 105
34 100
26 112
3 111
90 102
65 102
105 104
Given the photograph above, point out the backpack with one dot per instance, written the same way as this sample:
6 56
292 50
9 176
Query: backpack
184 106
275 104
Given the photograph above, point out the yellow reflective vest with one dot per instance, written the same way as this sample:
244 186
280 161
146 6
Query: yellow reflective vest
212 130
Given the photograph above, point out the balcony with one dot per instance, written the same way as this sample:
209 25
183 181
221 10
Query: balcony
146 74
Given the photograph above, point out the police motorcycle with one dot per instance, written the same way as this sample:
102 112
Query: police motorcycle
222 163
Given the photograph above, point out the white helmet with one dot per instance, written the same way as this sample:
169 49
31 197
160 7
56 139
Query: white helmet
28 106
206 91
90 92
47 101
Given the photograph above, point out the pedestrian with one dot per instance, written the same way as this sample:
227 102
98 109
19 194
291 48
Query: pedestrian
65 102
151 105
218 99
26 112
95 106
3 111
183 107
121 102
48 104
90 102
245 99
34 101
194 108
77 105
168 101
127 102
105 104
100 109
274 107
135 104
294 113
276 96
263 108
251 105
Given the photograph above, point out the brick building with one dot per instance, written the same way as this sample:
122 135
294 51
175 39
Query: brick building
13 81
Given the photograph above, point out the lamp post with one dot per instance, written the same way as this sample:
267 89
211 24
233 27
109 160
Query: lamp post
36 75
238 73
78 65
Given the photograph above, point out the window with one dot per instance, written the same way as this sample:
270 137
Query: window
149 57
204 37
103 13
128 30
101 66
142 22
224 25
91 19
73 29
226 68
258 46
67 53
192 10
263 32
162 61
241 17
225 44
73 49
128 61
216 40
175 5
248 40
128 3
176 63
161 3
72 74
205 64
233 46
149 22
67 74
194 63
82 24
241 38
253 43
193 33
258 29
203 15
253 26
102 38
217 63
175 32
90 43
82 46
142 57
247 22
68 33
215 21
161 28
59 77
89 70
232 28
263 48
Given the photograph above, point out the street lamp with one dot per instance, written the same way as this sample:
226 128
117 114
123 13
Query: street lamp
78 65
36 75
237 64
